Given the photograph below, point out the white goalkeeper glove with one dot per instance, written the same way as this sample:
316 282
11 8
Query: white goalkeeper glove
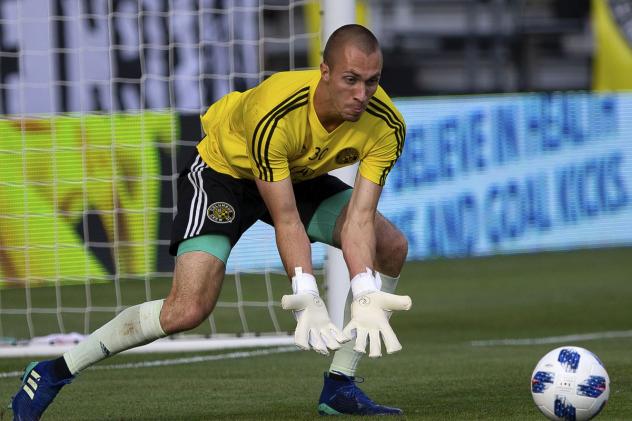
314 326
370 311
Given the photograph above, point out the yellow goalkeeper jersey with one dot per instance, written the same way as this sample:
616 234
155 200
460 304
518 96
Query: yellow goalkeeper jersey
272 132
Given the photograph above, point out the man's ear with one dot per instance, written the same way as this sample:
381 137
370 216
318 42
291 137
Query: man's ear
324 71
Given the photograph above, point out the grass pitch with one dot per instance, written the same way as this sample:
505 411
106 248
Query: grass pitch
439 375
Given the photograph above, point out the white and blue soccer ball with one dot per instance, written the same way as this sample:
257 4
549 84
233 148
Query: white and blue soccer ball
571 384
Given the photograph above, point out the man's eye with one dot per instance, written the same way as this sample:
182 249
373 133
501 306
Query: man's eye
350 79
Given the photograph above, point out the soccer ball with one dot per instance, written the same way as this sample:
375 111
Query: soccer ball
570 383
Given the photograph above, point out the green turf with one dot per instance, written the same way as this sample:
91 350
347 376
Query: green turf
438 375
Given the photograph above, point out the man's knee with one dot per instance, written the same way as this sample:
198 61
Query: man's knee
392 250
395 246
400 245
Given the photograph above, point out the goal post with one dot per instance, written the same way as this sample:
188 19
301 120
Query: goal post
99 109
335 14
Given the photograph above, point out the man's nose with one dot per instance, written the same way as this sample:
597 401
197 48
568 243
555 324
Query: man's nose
361 93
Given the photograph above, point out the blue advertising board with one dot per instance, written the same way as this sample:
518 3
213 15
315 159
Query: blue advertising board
513 173
481 175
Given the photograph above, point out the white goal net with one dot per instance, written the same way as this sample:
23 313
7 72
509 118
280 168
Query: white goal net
99 109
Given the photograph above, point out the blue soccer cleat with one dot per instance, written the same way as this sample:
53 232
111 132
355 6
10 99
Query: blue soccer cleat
343 397
37 391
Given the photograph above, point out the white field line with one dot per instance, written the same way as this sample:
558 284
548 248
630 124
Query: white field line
178 361
164 345
198 358
555 339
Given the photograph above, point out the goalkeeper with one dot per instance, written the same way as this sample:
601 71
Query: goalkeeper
265 156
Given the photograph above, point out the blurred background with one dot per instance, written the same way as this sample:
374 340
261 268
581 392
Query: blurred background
213 46
457 47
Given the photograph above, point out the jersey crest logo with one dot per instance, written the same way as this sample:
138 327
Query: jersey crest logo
347 156
221 213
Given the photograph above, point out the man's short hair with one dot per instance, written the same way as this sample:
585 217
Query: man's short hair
360 36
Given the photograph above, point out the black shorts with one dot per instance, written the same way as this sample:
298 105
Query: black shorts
210 202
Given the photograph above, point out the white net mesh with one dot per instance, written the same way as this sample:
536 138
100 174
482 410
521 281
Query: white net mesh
100 103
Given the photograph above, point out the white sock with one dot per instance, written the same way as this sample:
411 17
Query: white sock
134 326
345 359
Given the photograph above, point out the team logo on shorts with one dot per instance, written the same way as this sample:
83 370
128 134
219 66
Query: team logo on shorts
347 156
221 213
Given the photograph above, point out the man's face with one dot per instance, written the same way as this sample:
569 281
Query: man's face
352 79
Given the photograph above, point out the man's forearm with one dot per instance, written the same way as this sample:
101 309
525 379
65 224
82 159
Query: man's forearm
294 247
358 247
